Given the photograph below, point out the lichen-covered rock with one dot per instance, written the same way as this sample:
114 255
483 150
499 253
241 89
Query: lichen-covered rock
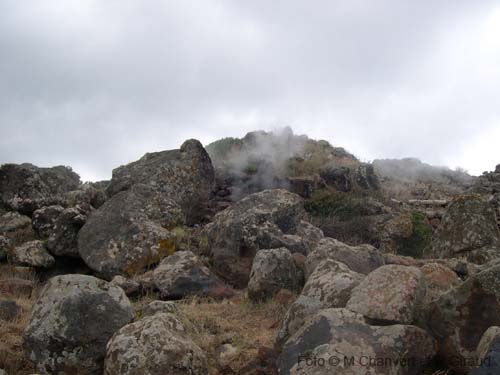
439 280
468 229
154 345
331 283
395 232
459 318
63 236
337 177
272 270
258 221
389 294
32 254
183 274
130 286
44 218
156 307
126 235
25 187
329 286
15 229
338 341
89 193
362 259
185 176
71 323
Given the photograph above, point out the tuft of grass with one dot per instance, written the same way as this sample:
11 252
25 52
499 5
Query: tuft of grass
12 358
239 322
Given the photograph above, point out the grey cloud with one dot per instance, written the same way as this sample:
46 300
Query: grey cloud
96 84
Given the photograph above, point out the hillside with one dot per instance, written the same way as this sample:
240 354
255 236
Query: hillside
268 254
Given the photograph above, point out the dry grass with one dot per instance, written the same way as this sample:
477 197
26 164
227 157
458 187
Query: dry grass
239 322
12 358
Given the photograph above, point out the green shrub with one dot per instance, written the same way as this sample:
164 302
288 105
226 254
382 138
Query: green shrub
343 206
420 238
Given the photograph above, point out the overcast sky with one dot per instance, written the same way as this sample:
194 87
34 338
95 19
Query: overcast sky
96 84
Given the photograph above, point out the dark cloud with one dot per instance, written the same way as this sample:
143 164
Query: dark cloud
96 84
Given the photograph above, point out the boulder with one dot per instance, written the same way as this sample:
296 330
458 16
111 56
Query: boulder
366 178
71 323
32 254
26 188
390 294
185 176
44 218
183 274
131 287
459 318
126 235
63 236
15 230
337 177
329 286
439 280
338 341
468 229
89 193
488 353
258 221
154 345
361 259
273 270
156 307
331 283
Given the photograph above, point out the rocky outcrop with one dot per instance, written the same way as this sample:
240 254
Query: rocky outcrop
459 318
258 221
468 229
273 270
63 235
125 235
183 274
362 259
338 341
25 187
186 176
32 254
71 323
15 229
390 294
161 190
154 345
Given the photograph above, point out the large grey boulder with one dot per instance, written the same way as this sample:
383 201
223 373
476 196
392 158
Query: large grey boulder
160 190
488 353
390 294
272 270
185 175
71 323
338 341
32 254
258 221
468 229
183 274
459 318
63 235
126 235
25 187
362 259
154 345
329 286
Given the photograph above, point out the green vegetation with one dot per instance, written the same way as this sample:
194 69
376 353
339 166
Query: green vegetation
420 238
343 206
251 169
219 149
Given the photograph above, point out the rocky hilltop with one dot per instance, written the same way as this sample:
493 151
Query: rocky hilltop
269 254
